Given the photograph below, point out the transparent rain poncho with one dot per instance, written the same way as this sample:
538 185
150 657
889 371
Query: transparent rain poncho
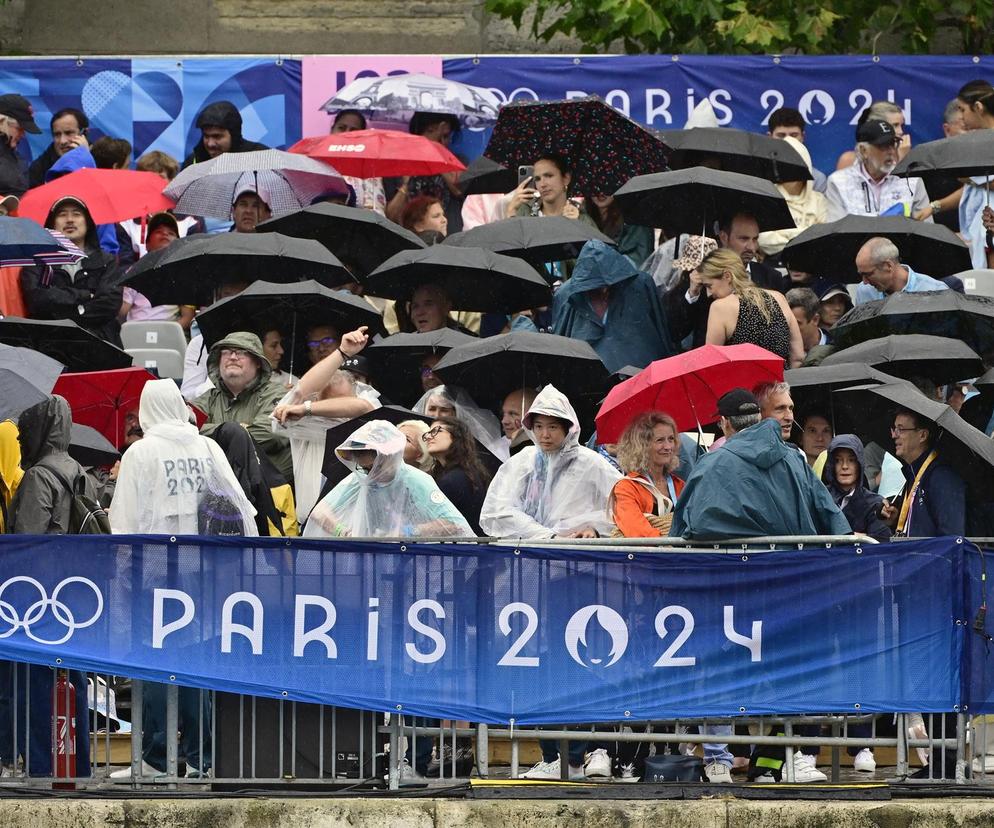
483 424
175 481
390 499
307 446
539 494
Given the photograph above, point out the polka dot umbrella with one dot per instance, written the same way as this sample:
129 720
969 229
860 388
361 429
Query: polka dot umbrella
603 147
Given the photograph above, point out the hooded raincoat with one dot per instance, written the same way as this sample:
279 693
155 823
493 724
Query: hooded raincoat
42 504
633 305
484 426
251 407
174 481
10 469
390 499
860 506
807 208
539 494
753 486
225 115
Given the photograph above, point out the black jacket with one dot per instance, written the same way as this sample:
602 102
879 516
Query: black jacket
13 179
95 289
225 115
41 165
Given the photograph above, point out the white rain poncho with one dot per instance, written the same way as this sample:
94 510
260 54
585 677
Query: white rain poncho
392 499
174 481
539 495
307 447
483 424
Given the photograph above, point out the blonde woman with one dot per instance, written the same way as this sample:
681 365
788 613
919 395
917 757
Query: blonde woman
742 312
416 451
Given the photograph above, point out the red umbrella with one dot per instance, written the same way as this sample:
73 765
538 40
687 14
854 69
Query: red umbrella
109 195
102 399
367 153
686 386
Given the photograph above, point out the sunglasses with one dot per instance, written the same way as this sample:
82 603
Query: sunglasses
314 344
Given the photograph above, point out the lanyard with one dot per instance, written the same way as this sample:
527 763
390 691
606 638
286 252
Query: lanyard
671 488
905 516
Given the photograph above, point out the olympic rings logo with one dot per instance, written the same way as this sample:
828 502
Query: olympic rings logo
34 613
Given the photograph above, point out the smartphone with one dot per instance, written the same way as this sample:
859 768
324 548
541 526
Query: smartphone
525 171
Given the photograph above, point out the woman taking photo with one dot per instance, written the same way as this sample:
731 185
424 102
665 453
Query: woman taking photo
641 503
458 470
741 312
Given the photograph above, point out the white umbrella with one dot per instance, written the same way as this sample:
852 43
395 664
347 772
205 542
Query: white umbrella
288 181
398 97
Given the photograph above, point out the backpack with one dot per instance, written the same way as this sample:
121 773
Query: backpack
86 516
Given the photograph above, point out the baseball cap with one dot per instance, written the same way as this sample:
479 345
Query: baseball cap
356 365
737 403
158 219
878 133
19 108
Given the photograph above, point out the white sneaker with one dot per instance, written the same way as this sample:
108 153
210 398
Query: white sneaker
805 770
598 764
864 761
553 770
765 779
983 764
718 773
147 770
408 776
627 774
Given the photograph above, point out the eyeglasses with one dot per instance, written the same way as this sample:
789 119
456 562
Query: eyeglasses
427 372
896 430
314 344
432 433
234 353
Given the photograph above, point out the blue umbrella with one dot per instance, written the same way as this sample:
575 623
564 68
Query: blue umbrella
24 242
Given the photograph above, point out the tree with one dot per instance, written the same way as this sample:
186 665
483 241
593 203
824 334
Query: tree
758 26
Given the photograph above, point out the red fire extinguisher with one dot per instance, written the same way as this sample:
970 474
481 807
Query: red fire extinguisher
64 723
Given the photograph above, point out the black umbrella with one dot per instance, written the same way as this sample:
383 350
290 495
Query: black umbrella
62 339
748 153
396 360
489 369
552 239
474 279
811 388
868 412
26 378
292 308
485 176
89 447
937 313
603 147
334 470
189 270
361 239
691 201
961 156
830 249
937 358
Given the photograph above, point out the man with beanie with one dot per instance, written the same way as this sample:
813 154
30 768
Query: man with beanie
220 125
16 118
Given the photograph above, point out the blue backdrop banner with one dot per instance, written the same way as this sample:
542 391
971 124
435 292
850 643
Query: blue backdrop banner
661 90
498 634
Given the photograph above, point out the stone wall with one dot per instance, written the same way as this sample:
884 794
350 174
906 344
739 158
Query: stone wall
143 27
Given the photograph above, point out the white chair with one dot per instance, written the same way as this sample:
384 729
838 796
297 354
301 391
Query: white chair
978 282
156 334
162 361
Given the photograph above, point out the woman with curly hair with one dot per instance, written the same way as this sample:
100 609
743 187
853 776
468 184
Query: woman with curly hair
641 503
458 471
742 312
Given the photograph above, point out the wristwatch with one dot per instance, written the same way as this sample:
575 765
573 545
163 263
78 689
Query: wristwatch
936 207
307 408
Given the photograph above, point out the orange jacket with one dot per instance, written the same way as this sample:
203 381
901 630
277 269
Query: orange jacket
631 500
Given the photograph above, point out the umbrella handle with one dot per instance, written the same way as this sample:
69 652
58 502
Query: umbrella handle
293 341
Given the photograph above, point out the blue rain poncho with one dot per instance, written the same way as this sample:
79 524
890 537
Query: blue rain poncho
539 494
390 499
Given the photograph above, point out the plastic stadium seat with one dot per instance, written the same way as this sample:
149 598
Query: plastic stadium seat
162 361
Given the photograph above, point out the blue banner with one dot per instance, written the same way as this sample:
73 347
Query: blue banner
499 634
154 102
662 90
